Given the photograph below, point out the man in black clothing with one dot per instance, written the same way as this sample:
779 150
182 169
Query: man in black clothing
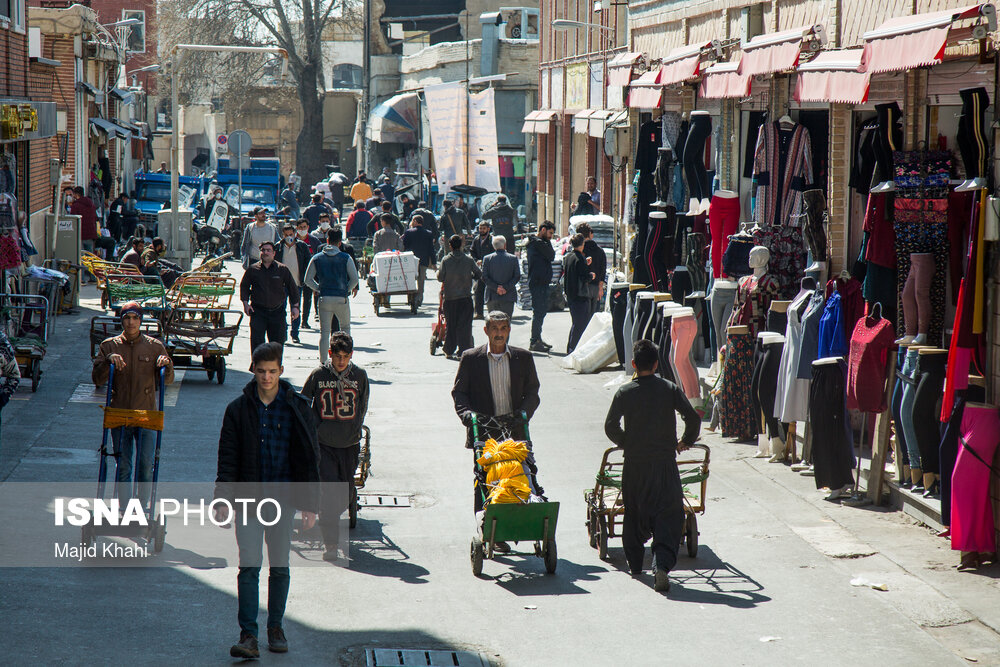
408 206
540 255
453 221
502 218
420 241
396 224
455 275
295 255
264 289
339 394
651 484
576 281
598 262
268 437
482 245
313 211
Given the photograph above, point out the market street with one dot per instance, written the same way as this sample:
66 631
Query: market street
772 583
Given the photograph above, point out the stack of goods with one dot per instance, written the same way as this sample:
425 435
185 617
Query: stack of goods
506 472
394 272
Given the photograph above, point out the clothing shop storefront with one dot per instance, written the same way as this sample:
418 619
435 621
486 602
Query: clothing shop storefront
820 219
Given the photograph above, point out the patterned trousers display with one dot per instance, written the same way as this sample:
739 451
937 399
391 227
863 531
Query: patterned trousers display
736 410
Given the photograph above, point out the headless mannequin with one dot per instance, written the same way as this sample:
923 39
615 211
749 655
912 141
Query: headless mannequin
694 169
916 473
659 230
777 444
930 478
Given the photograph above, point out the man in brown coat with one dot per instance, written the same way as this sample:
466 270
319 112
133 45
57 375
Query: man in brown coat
137 359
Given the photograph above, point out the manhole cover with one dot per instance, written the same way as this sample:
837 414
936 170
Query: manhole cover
382 500
379 657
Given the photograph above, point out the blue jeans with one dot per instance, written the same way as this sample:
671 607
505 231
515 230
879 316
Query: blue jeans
249 538
123 447
539 307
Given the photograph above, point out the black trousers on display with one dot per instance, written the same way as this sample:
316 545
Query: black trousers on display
619 304
927 407
972 141
267 323
664 343
832 446
694 156
888 138
765 386
659 242
897 407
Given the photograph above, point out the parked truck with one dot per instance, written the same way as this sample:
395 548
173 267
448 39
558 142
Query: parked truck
261 182
152 191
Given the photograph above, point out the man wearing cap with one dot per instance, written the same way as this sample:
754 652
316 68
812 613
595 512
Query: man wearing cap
261 231
482 245
137 359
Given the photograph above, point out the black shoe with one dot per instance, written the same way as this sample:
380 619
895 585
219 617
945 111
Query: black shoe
295 339
662 582
330 555
247 647
537 346
545 345
305 325
276 642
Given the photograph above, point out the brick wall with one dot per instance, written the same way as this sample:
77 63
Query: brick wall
839 201
41 85
14 58
109 11
63 92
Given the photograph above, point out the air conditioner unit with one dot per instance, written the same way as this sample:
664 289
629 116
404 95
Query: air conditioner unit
618 141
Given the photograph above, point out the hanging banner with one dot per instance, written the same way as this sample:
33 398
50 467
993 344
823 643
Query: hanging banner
483 132
446 115
576 86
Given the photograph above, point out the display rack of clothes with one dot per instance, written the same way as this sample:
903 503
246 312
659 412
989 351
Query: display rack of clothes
782 171
788 256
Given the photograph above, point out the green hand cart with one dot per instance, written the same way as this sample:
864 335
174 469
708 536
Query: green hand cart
533 522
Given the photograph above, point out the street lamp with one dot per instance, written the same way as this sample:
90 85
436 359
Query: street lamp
180 244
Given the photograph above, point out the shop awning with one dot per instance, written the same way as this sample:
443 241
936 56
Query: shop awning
723 80
646 92
395 120
777 51
627 59
537 122
682 64
581 121
919 40
109 129
123 95
833 76
599 120
87 88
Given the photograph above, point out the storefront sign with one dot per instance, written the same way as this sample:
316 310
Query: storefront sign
557 88
23 120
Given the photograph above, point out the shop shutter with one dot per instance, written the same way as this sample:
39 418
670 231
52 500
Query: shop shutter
945 80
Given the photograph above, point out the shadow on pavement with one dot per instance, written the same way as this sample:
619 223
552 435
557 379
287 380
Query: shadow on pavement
710 580
525 575
373 552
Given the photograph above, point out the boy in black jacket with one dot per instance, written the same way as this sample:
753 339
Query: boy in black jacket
339 394
576 282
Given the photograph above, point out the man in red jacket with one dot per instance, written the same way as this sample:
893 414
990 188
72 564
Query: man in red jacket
83 206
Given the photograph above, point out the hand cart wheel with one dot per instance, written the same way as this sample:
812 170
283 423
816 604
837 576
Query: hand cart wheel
352 506
602 537
378 312
691 531
36 374
220 371
413 304
592 526
477 553
159 535
551 556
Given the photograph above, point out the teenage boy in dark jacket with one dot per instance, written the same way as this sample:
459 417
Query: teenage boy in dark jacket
339 394
268 438
576 281
540 255
598 262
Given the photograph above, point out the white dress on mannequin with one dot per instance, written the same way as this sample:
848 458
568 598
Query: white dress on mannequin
791 401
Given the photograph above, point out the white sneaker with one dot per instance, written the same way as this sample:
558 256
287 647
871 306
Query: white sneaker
885 186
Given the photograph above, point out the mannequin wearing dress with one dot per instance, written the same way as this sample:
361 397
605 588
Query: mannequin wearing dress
755 293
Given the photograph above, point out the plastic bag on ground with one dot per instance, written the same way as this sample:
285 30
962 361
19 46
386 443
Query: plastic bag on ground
596 348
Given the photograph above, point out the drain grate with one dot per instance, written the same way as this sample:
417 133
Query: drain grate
382 500
383 657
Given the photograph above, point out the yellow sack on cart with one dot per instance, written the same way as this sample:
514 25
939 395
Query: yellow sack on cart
510 490
505 473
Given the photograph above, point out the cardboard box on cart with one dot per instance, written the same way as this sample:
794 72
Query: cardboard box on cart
395 272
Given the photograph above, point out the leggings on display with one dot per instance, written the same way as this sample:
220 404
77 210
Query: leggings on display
758 367
972 526
767 387
832 447
917 294
683 329
653 253
777 321
695 261
619 306
888 138
694 156
722 309
680 285
949 446
896 407
906 409
643 315
972 141
663 179
723 220
667 370
927 408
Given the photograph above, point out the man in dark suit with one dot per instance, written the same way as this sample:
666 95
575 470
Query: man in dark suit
495 380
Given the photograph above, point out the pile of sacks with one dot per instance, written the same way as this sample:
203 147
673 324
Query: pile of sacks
506 474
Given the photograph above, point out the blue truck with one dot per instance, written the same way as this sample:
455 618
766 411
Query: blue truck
152 191
261 182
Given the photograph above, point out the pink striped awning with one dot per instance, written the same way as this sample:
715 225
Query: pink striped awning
833 76
919 40
774 52
724 80
645 92
682 64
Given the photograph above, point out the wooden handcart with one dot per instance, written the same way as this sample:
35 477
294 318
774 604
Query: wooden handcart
147 291
606 509
26 318
360 475
101 268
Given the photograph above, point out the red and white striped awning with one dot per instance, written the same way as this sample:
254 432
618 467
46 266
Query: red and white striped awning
833 76
777 51
682 63
646 91
724 80
919 40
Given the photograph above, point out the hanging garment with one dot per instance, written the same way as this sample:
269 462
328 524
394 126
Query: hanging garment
694 156
736 257
973 132
753 299
792 394
663 179
695 262
880 288
683 330
972 527
896 407
906 408
649 138
755 119
880 248
864 157
680 191
619 309
832 341
888 139
867 369
810 335
929 376
960 211
735 404
787 262
660 227
766 386
782 171
723 221
10 249
832 447
814 228
852 303
949 446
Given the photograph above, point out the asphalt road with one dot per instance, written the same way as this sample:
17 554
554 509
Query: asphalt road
771 583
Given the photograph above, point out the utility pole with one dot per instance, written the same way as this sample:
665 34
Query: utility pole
365 94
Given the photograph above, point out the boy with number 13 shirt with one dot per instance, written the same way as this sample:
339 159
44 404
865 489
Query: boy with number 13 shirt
338 392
